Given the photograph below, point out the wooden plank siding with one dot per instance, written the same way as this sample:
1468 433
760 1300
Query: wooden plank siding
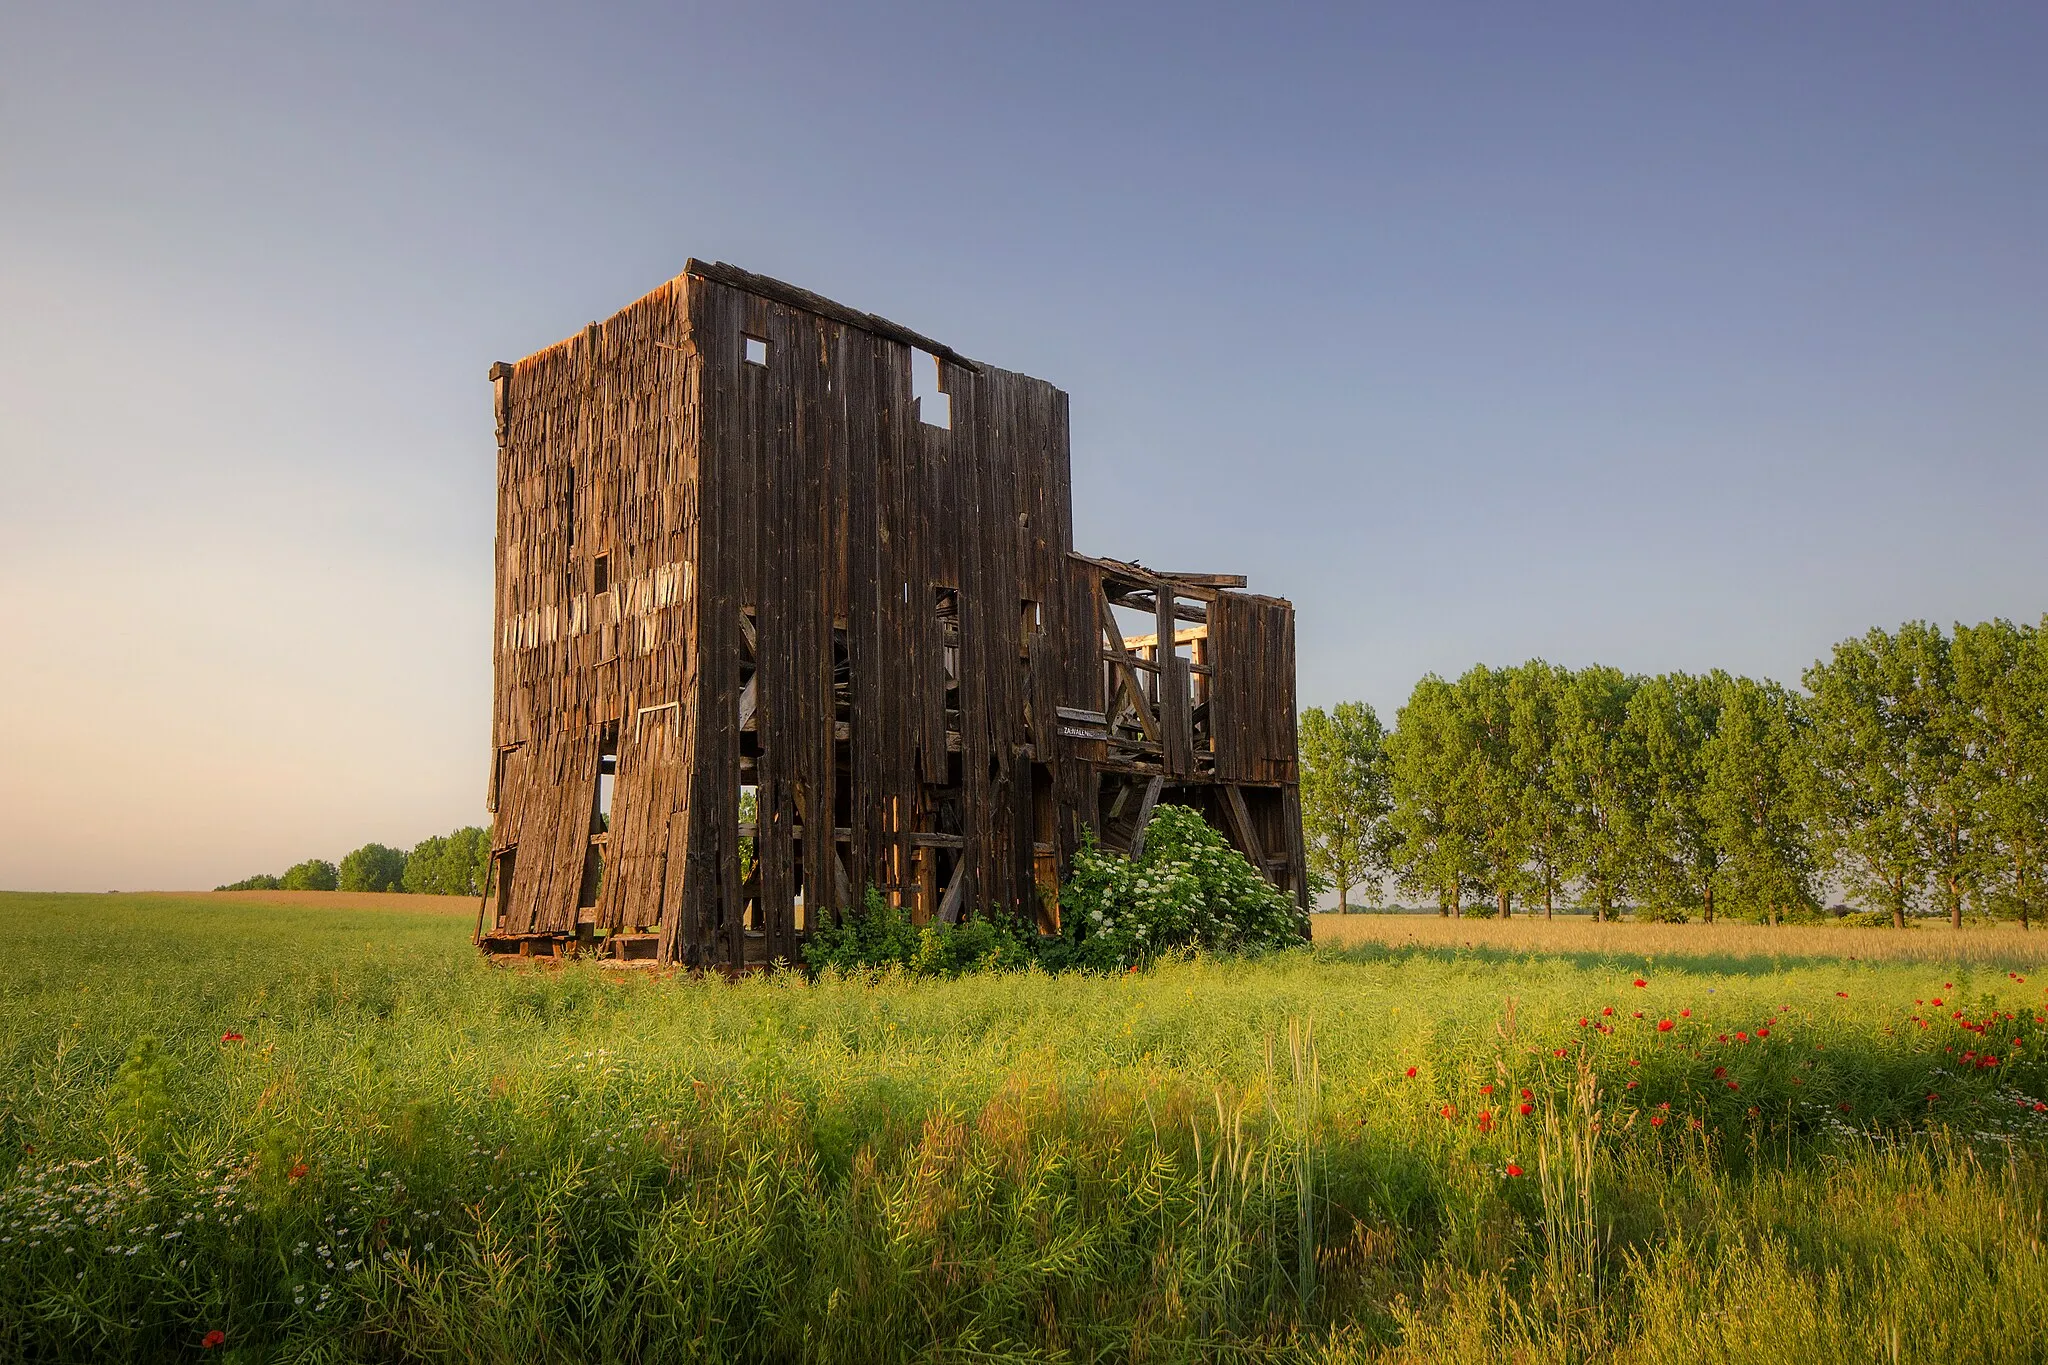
731 553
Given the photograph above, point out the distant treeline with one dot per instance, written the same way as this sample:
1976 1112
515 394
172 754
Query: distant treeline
1913 768
452 864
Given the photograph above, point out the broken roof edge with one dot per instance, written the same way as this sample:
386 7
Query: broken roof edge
775 291
794 296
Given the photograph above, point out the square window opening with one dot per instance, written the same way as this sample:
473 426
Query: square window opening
927 390
755 350
601 574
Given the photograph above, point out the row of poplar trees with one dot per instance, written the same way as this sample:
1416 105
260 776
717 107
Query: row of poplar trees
1912 770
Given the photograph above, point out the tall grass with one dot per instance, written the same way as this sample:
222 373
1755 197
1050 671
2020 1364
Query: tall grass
410 1155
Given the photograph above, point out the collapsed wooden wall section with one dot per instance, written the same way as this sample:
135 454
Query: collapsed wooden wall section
733 558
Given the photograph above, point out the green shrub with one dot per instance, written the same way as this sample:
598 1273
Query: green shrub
262 881
882 936
1189 890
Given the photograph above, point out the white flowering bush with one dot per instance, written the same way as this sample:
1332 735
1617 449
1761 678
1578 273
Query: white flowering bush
1189 890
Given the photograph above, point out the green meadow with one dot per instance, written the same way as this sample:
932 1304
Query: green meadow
324 1133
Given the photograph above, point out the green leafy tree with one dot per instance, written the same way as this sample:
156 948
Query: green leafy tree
1429 756
262 881
1597 775
315 874
1670 721
1535 692
1755 797
2001 689
373 867
1346 796
1871 752
452 864
1496 785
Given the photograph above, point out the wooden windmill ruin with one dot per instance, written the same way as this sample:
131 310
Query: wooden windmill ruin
752 543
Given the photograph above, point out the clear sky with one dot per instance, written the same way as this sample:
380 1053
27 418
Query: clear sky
1625 334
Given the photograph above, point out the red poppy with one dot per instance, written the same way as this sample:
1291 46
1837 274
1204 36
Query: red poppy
1935 1001
1526 1109
1843 1106
298 1172
232 1038
1527 1094
212 1339
2040 1108
1641 982
1486 1120
1411 1073
1449 1111
1741 1037
1665 1026
1608 1010
1513 1169
1843 994
1558 1053
1633 1062
1720 1037
1637 1015
1763 1033
1486 1089
1719 1072
1656 1120
1932 1097
1632 1085
1582 1021
1685 1014
1735 1085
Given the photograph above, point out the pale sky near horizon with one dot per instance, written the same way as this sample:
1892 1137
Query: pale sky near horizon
1664 340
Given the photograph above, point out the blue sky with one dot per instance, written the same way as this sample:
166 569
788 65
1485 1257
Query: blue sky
1664 339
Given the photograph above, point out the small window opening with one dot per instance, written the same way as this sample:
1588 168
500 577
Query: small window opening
756 351
607 779
1034 617
569 512
601 574
934 405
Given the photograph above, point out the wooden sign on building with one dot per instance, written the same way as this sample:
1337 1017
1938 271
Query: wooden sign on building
788 606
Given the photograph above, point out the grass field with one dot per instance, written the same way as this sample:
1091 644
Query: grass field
326 1132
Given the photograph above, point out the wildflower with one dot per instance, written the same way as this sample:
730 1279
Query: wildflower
1411 1073
1582 1021
212 1339
1608 1010
1719 1072
1633 1062
1763 1033
1665 1026
1513 1169
232 1037
1656 1120
298 1172
2040 1107
1449 1111
1486 1089
1527 1094
1526 1109
1741 1037
1932 1097
1935 1001
1735 1085
1843 994
1640 982
1558 1053
1486 1120
1843 1106
1754 1111
1720 1037
1685 1014
1632 1085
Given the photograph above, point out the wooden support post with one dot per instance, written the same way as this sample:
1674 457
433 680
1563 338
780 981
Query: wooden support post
1152 791
949 904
